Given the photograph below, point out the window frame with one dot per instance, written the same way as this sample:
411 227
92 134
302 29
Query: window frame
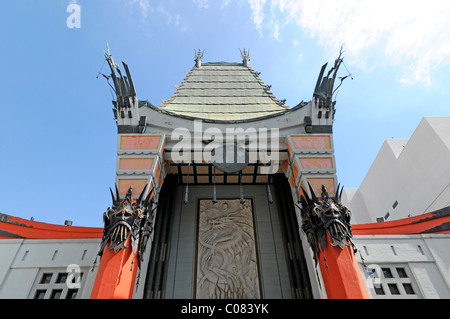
391 282
54 280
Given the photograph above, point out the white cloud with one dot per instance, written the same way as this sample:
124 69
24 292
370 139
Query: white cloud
203 4
144 7
152 11
410 32
257 8
276 31
225 4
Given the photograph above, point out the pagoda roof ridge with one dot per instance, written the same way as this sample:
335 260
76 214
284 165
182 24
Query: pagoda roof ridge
222 63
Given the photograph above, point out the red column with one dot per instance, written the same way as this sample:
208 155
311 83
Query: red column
116 274
341 274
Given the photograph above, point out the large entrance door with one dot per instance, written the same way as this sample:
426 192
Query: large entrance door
227 259
231 248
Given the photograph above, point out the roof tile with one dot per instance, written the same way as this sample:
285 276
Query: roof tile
223 91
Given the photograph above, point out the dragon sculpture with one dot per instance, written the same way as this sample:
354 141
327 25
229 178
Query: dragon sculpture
128 219
327 216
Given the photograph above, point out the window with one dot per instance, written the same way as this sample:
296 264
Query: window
46 277
401 273
72 294
53 284
62 278
56 294
40 294
393 289
387 273
392 281
408 289
379 290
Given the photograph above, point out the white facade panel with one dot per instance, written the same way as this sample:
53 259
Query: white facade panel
407 178
18 283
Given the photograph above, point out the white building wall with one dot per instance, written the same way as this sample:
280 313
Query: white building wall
413 173
25 260
425 258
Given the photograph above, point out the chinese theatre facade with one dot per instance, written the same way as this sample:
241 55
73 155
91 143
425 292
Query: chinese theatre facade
225 192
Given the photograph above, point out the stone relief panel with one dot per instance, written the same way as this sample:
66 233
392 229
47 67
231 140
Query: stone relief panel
226 251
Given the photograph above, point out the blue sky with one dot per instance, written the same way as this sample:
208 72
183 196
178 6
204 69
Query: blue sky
57 132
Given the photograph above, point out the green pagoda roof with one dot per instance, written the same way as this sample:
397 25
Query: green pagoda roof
223 91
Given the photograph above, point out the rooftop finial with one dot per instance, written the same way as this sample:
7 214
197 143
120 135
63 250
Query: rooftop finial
198 58
245 56
109 57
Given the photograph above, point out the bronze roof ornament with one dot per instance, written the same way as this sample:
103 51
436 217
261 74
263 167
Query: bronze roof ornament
245 56
198 58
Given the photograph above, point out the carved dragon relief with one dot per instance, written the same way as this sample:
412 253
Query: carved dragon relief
128 219
327 216
226 252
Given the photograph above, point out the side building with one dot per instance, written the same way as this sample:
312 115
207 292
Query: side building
46 261
408 177
401 213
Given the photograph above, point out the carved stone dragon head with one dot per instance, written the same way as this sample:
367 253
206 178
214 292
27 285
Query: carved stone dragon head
325 216
128 219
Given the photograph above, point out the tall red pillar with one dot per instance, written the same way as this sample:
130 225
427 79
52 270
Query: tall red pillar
122 248
116 274
341 274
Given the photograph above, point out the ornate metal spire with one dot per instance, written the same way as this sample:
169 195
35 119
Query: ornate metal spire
245 56
324 89
198 58
123 87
